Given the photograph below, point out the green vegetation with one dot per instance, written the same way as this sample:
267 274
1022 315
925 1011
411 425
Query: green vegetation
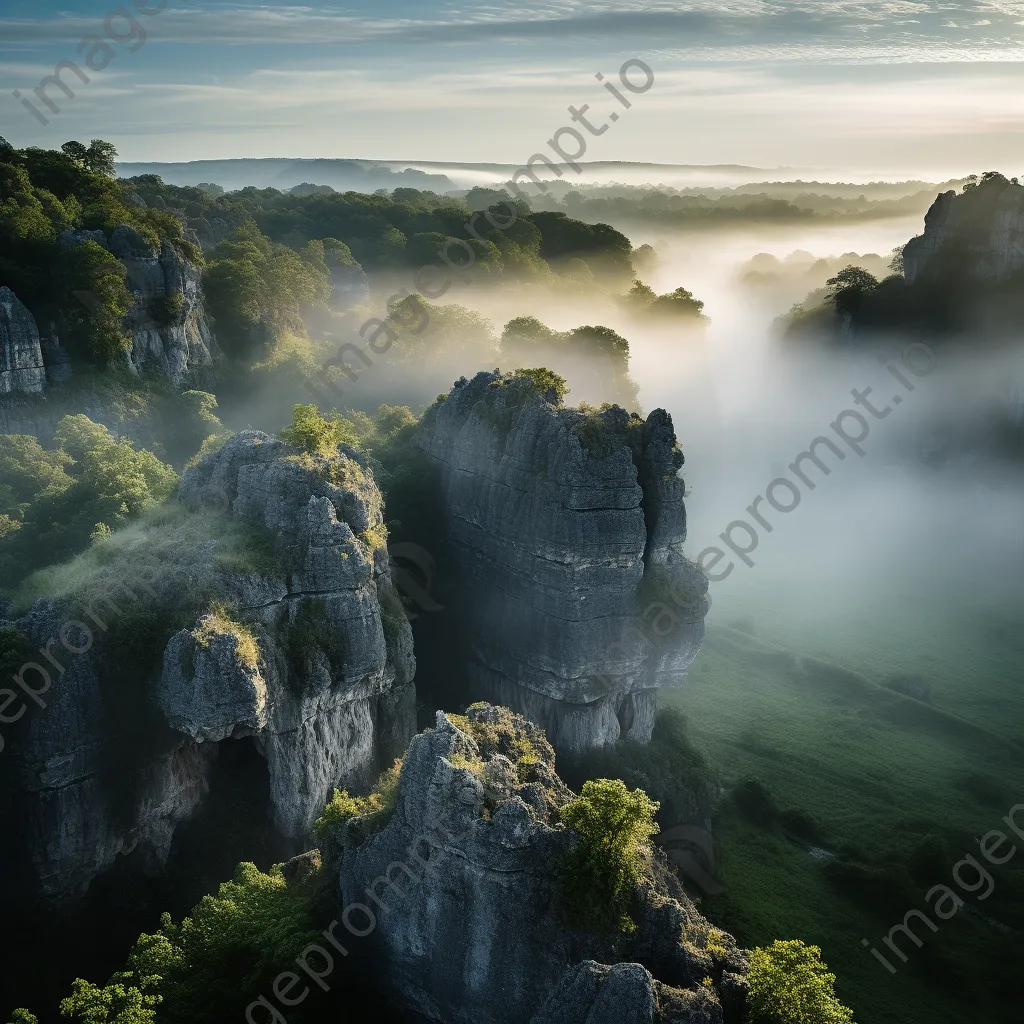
376 808
703 206
405 231
848 801
59 496
218 622
526 340
670 769
546 382
789 984
673 306
600 875
46 192
315 433
94 300
257 289
225 954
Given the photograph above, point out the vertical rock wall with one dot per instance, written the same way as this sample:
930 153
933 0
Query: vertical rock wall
559 525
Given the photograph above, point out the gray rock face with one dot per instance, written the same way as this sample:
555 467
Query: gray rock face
21 355
310 655
562 527
987 221
469 928
168 326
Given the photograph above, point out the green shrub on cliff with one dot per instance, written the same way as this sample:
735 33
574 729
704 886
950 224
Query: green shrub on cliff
600 874
315 433
789 984
376 807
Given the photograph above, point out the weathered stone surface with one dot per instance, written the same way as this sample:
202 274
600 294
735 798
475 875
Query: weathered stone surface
329 700
987 221
463 886
21 355
559 526
167 323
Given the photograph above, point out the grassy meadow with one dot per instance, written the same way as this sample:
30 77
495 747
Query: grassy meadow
870 797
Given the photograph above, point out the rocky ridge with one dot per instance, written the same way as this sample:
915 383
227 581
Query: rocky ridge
986 221
470 926
564 527
307 653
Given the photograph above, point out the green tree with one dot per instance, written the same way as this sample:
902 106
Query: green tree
789 984
849 288
600 874
95 300
546 382
100 157
126 999
315 433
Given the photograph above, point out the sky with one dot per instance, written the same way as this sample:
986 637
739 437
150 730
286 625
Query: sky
898 87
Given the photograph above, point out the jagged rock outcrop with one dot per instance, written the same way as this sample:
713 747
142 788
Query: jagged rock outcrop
469 924
21 353
566 533
295 639
167 323
980 229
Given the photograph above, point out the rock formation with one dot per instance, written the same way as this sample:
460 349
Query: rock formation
21 353
305 650
462 886
167 323
981 229
566 530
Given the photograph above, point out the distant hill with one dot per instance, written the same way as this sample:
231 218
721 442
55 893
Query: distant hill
284 174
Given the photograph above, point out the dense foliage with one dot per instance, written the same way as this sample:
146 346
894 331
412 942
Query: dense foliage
602 871
789 984
406 230
46 192
54 501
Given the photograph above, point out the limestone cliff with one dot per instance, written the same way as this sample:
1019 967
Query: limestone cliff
168 327
270 616
980 230
21 354
563 527
470 928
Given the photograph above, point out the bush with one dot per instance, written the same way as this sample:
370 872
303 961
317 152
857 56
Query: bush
315 433
789 984
600 874
546 381
377 807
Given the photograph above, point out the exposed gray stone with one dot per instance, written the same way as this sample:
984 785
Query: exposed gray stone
560 528
329 701
168 326
463 883
989 219
21 355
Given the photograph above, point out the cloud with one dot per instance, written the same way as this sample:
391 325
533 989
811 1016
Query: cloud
700 23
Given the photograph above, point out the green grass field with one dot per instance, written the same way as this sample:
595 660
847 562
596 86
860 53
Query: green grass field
895 785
